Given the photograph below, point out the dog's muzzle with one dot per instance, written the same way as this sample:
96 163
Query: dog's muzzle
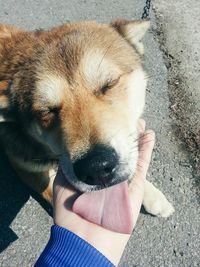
95 170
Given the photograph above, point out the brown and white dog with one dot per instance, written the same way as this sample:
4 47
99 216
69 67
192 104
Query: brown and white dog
75 94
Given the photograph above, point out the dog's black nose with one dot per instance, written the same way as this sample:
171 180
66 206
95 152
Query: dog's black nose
97 166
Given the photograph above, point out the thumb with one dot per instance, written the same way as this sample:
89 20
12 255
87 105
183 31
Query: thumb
136 187
146 144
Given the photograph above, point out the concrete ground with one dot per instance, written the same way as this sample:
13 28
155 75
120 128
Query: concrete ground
172 61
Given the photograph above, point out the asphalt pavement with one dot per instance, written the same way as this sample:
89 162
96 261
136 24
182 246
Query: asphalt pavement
25 219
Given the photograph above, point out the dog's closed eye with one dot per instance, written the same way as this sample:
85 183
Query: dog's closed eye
47 116
108 85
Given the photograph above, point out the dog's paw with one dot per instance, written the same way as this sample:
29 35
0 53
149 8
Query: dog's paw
156 204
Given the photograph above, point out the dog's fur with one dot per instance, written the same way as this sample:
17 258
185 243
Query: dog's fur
65 90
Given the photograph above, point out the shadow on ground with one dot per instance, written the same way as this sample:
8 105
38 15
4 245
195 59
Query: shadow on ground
13 195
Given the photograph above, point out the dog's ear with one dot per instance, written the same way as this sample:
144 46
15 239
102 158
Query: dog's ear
133 31
7 31
4 102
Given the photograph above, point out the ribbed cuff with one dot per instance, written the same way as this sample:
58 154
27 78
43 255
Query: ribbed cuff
67 249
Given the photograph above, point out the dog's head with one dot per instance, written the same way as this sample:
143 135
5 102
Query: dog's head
81 94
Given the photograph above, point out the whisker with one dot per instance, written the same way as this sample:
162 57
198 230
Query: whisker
39 159
104 56
149 116
146 143
131 134
139 165
149 76
141 137
153 100
103 183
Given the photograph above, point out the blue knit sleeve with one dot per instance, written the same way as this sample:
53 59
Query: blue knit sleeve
67 249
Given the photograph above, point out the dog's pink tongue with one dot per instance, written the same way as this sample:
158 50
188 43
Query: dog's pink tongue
109 208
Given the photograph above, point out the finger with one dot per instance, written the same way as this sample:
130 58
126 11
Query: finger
136 188
60 179
141 126
62 190
146 144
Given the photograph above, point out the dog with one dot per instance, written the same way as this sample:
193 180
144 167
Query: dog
75 94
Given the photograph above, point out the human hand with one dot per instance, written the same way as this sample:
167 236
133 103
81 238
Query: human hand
109 243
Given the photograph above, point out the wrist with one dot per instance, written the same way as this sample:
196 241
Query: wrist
66 248
111 244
